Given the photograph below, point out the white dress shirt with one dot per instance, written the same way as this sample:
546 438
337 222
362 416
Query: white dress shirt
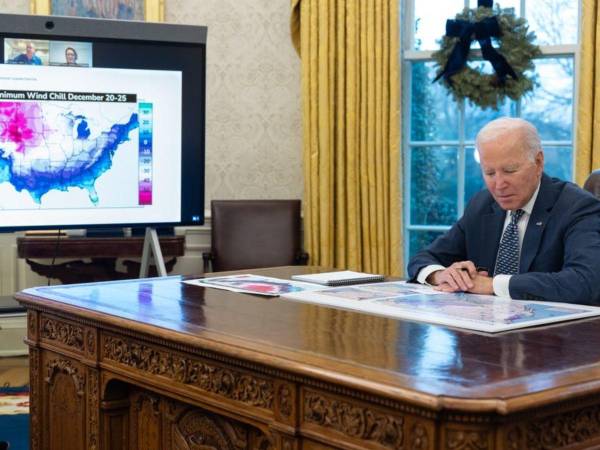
500 282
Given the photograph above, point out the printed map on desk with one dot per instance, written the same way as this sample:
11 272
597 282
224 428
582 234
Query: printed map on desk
416 302
255 284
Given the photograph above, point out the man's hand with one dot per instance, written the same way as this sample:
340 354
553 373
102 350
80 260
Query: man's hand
458 277
482 284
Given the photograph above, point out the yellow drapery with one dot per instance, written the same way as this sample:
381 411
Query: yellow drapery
588 111
350 98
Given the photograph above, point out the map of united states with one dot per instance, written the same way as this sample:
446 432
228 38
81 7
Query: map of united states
61 145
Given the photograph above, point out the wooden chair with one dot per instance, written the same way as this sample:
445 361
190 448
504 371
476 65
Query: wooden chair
592 184
247 234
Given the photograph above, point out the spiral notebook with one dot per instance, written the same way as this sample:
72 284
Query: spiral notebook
340 278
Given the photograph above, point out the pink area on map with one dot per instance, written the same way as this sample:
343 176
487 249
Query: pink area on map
21 123
145 197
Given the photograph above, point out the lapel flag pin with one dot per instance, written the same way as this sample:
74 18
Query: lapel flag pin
539 224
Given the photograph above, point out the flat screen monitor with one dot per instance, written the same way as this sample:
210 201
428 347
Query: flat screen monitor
101 123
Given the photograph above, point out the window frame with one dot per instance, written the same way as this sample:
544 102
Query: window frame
408 57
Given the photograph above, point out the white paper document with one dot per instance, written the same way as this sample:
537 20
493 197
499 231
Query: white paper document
403 300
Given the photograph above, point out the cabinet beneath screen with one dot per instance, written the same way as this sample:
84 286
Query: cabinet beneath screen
97 258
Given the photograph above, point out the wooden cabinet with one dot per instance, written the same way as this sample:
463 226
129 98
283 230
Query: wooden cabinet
102 253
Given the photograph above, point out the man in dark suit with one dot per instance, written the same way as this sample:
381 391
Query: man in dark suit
527 236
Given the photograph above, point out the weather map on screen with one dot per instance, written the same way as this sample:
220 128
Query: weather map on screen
67 150
61 145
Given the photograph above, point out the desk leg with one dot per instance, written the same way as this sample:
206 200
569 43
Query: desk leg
93 407
34 397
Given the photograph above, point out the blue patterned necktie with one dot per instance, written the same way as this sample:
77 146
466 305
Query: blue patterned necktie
507 261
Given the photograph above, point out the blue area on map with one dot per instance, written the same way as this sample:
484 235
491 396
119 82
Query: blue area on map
80 171
83 131
543 312
4 168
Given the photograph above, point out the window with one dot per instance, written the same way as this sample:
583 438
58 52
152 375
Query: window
441 168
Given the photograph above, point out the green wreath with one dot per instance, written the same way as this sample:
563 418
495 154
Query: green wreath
516 46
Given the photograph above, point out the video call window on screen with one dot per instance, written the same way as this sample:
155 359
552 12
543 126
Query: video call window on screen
48 53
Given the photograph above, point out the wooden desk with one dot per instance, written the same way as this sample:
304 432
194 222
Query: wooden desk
102 251
157 364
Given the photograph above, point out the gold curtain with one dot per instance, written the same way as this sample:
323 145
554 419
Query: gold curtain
350 97
588 112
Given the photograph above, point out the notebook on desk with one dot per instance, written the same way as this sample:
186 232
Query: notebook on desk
341 278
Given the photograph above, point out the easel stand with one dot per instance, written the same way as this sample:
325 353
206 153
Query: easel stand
152 248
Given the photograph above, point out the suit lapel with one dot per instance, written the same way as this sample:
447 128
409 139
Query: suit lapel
490 237
537 223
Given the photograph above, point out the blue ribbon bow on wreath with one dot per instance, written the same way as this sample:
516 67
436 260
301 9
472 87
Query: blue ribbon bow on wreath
483 31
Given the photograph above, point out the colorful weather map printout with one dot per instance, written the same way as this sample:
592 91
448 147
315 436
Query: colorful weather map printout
82 149
254 284
421 303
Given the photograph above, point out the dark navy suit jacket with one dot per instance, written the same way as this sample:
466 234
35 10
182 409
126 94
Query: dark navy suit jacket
560 256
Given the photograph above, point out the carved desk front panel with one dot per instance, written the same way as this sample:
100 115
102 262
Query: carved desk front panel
156 364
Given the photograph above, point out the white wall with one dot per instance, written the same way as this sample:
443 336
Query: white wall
253 124
14 6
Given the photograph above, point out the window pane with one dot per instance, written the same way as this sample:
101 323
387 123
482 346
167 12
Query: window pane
558 162
433 186
430 21
550 108
515 4
473 179
476 118
434 114
421 239
554 22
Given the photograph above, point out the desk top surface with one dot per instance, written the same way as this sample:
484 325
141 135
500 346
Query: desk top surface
429 365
